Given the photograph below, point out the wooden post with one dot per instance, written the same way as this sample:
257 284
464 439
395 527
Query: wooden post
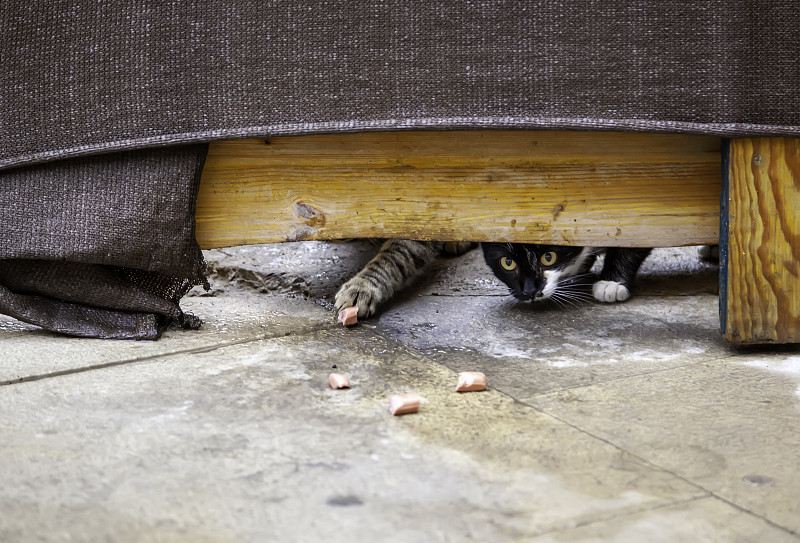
760 241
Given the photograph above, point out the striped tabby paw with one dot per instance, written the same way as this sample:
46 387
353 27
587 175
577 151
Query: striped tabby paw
610 292
360 293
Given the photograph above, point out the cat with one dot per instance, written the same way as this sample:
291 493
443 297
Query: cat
551 272
396 263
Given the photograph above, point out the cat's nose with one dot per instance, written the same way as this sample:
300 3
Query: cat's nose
530 290
534 295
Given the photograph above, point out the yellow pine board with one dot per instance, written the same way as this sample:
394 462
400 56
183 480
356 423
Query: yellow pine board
763 292
578 188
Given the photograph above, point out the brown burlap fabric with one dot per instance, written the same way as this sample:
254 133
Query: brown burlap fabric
101 246
81 77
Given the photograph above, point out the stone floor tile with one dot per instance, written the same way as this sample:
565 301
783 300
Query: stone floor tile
526 349
249 443
706 520
731 426
28 351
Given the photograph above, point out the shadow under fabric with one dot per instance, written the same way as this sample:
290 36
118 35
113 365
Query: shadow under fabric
102 246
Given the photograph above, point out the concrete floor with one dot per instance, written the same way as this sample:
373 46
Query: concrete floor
631 422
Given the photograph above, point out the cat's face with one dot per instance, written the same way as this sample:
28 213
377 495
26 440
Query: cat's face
537 272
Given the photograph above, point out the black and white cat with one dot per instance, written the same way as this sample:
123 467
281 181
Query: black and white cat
540 272
396 263
532 272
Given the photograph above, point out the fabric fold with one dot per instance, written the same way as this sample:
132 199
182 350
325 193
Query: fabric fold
102 246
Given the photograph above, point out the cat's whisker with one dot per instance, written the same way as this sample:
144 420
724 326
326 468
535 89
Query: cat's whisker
564 297
576 292
578 287
580 279
575 280
580 275
563 303
573 298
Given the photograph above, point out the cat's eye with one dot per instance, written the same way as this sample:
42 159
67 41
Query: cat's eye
548 259
508 263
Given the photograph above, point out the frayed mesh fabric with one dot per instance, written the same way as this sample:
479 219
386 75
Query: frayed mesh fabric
102 246
93 76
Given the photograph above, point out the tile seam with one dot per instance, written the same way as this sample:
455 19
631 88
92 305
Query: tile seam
708 492
196 350
611 517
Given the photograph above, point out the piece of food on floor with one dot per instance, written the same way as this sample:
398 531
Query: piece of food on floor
348 316
401 404
471 381
337 380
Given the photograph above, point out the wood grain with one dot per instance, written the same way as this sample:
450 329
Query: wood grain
763 258
571 188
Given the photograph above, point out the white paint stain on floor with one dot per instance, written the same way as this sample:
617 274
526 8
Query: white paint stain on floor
789 367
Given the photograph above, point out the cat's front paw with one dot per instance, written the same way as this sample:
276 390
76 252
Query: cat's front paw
359 293
610 292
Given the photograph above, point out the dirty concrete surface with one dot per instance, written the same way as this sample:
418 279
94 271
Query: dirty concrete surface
630 422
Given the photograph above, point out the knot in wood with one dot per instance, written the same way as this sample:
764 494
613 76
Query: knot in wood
313 216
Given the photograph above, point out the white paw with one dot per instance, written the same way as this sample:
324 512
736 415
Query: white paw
610 292
359 293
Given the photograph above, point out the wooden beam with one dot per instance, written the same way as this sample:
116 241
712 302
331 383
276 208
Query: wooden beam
571 188
760 245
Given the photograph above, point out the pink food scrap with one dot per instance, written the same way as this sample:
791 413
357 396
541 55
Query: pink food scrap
348 316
